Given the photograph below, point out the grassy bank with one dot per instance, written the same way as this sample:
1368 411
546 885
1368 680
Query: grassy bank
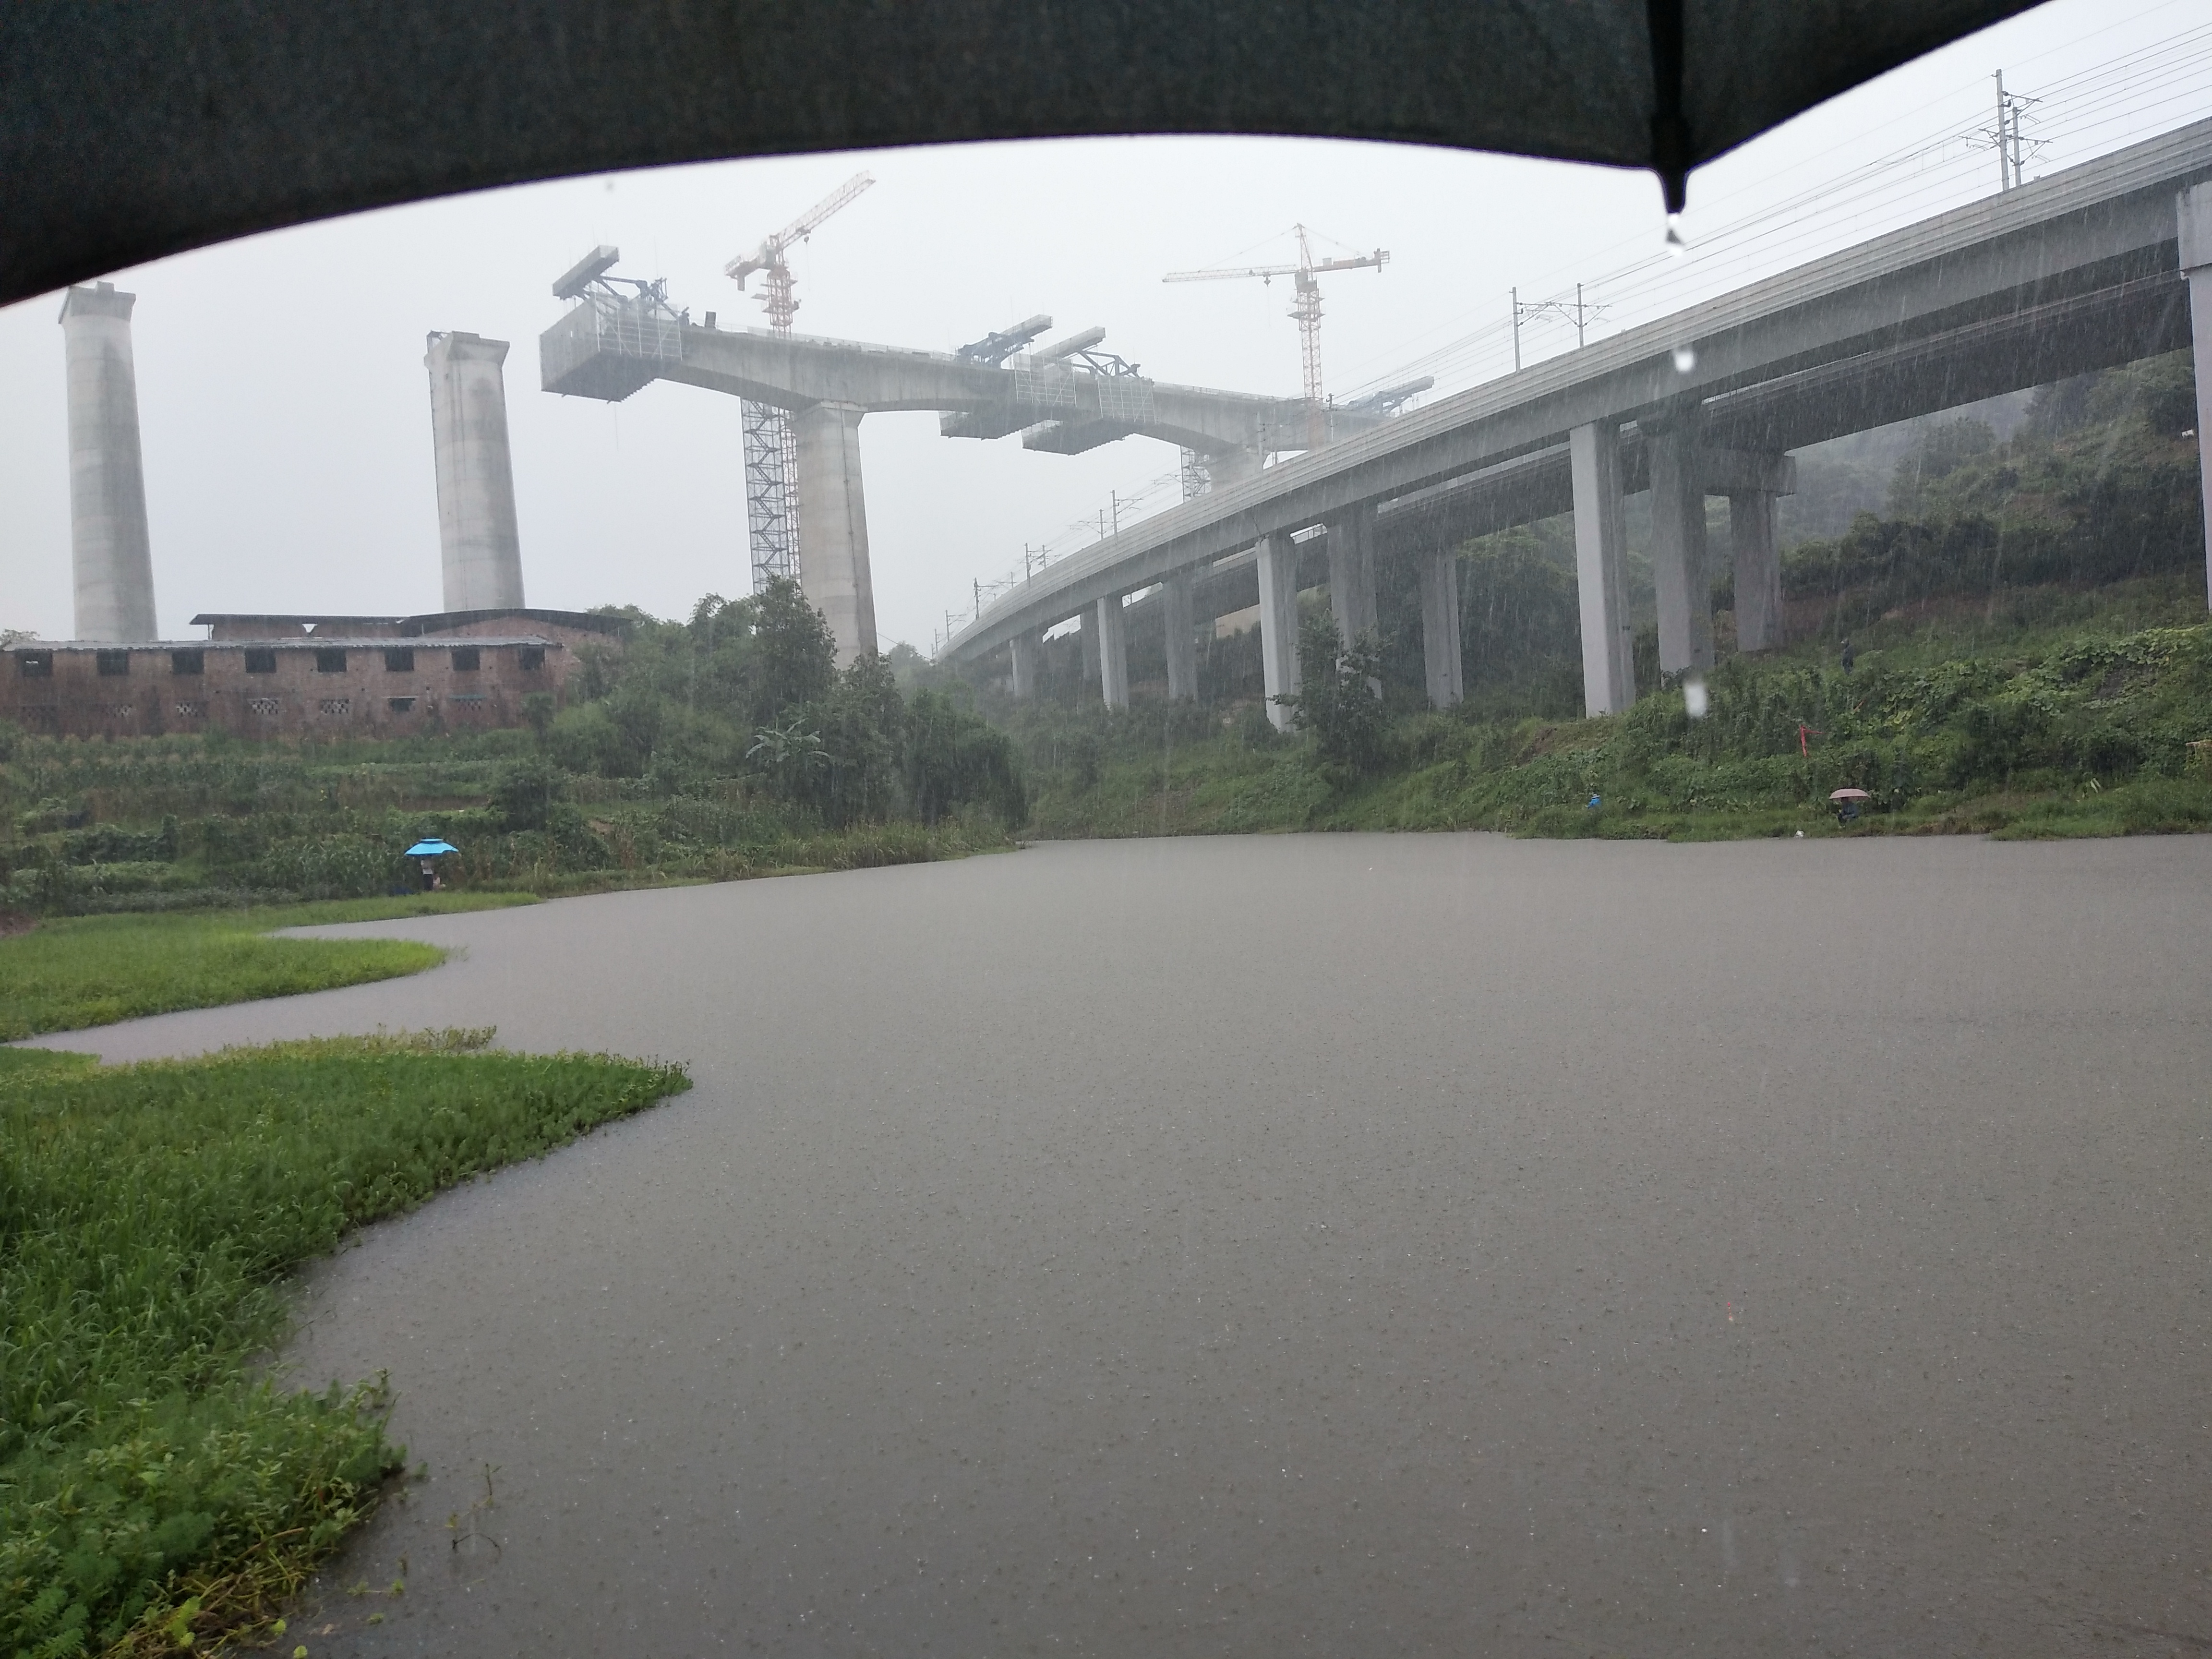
2078 726
70 973
155 1495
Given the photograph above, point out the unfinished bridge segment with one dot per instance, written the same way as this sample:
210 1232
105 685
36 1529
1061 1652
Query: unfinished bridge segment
1064 399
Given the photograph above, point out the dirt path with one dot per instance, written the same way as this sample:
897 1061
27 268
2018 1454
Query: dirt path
1344 1246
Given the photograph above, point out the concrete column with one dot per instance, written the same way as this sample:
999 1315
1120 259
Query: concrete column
1758 570
1178 598
1087 635
1440 628
110 551
481 548
833 526
1022 650
1608 640
1351 572
1113 651
2194 211
1279 624
1678 545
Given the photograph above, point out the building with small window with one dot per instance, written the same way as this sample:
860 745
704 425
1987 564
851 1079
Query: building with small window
292 677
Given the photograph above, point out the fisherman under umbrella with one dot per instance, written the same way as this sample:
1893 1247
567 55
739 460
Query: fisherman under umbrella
1846 803
430 851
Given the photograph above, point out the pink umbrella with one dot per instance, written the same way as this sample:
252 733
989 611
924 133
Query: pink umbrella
1849 794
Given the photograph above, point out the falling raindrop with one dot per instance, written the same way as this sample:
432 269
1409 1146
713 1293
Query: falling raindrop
1694 698
1676 247
1686 359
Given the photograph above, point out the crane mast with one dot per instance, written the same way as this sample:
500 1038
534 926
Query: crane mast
1305 311
771 444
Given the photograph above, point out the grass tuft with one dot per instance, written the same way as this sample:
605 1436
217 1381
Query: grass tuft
67 973
156 1494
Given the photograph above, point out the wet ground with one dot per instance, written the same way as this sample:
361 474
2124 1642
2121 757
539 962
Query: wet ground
1337 1246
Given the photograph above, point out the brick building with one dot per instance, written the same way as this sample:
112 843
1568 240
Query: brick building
292 677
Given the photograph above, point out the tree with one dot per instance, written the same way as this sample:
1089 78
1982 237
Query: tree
1336 701
863 723
793 656
788 755
953 759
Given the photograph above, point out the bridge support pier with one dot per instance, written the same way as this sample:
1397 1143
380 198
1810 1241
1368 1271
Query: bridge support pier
1608 642
478 546
1351 572
111 554
2194 209
1022 655
1178 604
1678 545
1113 651
1440 642
1278 624
1758 570
833 526
1352 576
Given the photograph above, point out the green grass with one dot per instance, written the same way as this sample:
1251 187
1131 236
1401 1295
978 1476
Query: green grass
158 1492
67 973
2065 728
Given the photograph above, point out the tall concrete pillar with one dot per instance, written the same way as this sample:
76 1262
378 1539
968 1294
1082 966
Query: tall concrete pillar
1678 545
481 548
1600 539
1021 651
110 551
833 526
1351 572
1113 651
1178 597
1087 635
1278 624
2194 210
1758 570
1440 635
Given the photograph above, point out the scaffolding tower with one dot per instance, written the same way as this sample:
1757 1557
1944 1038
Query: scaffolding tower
771 465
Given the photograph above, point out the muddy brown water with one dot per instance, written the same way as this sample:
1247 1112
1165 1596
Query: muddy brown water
1355 1245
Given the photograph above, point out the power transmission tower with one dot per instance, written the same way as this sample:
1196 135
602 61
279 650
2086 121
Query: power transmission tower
771 445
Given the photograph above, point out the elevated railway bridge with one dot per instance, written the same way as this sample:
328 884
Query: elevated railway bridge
2088 268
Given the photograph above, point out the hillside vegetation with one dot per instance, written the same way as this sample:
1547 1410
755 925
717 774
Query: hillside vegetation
724 746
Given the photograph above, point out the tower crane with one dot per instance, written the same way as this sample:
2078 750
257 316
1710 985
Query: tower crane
776 299
771 448
1305 308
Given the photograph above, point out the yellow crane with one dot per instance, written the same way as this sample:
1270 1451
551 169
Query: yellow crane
1305 308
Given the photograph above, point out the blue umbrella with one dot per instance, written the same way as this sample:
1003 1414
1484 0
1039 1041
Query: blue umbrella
423 849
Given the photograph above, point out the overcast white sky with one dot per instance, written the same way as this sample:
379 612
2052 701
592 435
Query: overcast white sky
285 410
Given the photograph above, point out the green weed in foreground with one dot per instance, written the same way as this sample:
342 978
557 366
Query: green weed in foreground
67 973
156 1494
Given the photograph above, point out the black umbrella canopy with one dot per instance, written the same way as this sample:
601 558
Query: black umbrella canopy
131 128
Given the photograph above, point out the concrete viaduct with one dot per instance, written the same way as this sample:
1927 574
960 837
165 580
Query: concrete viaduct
2088 268
1061 399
